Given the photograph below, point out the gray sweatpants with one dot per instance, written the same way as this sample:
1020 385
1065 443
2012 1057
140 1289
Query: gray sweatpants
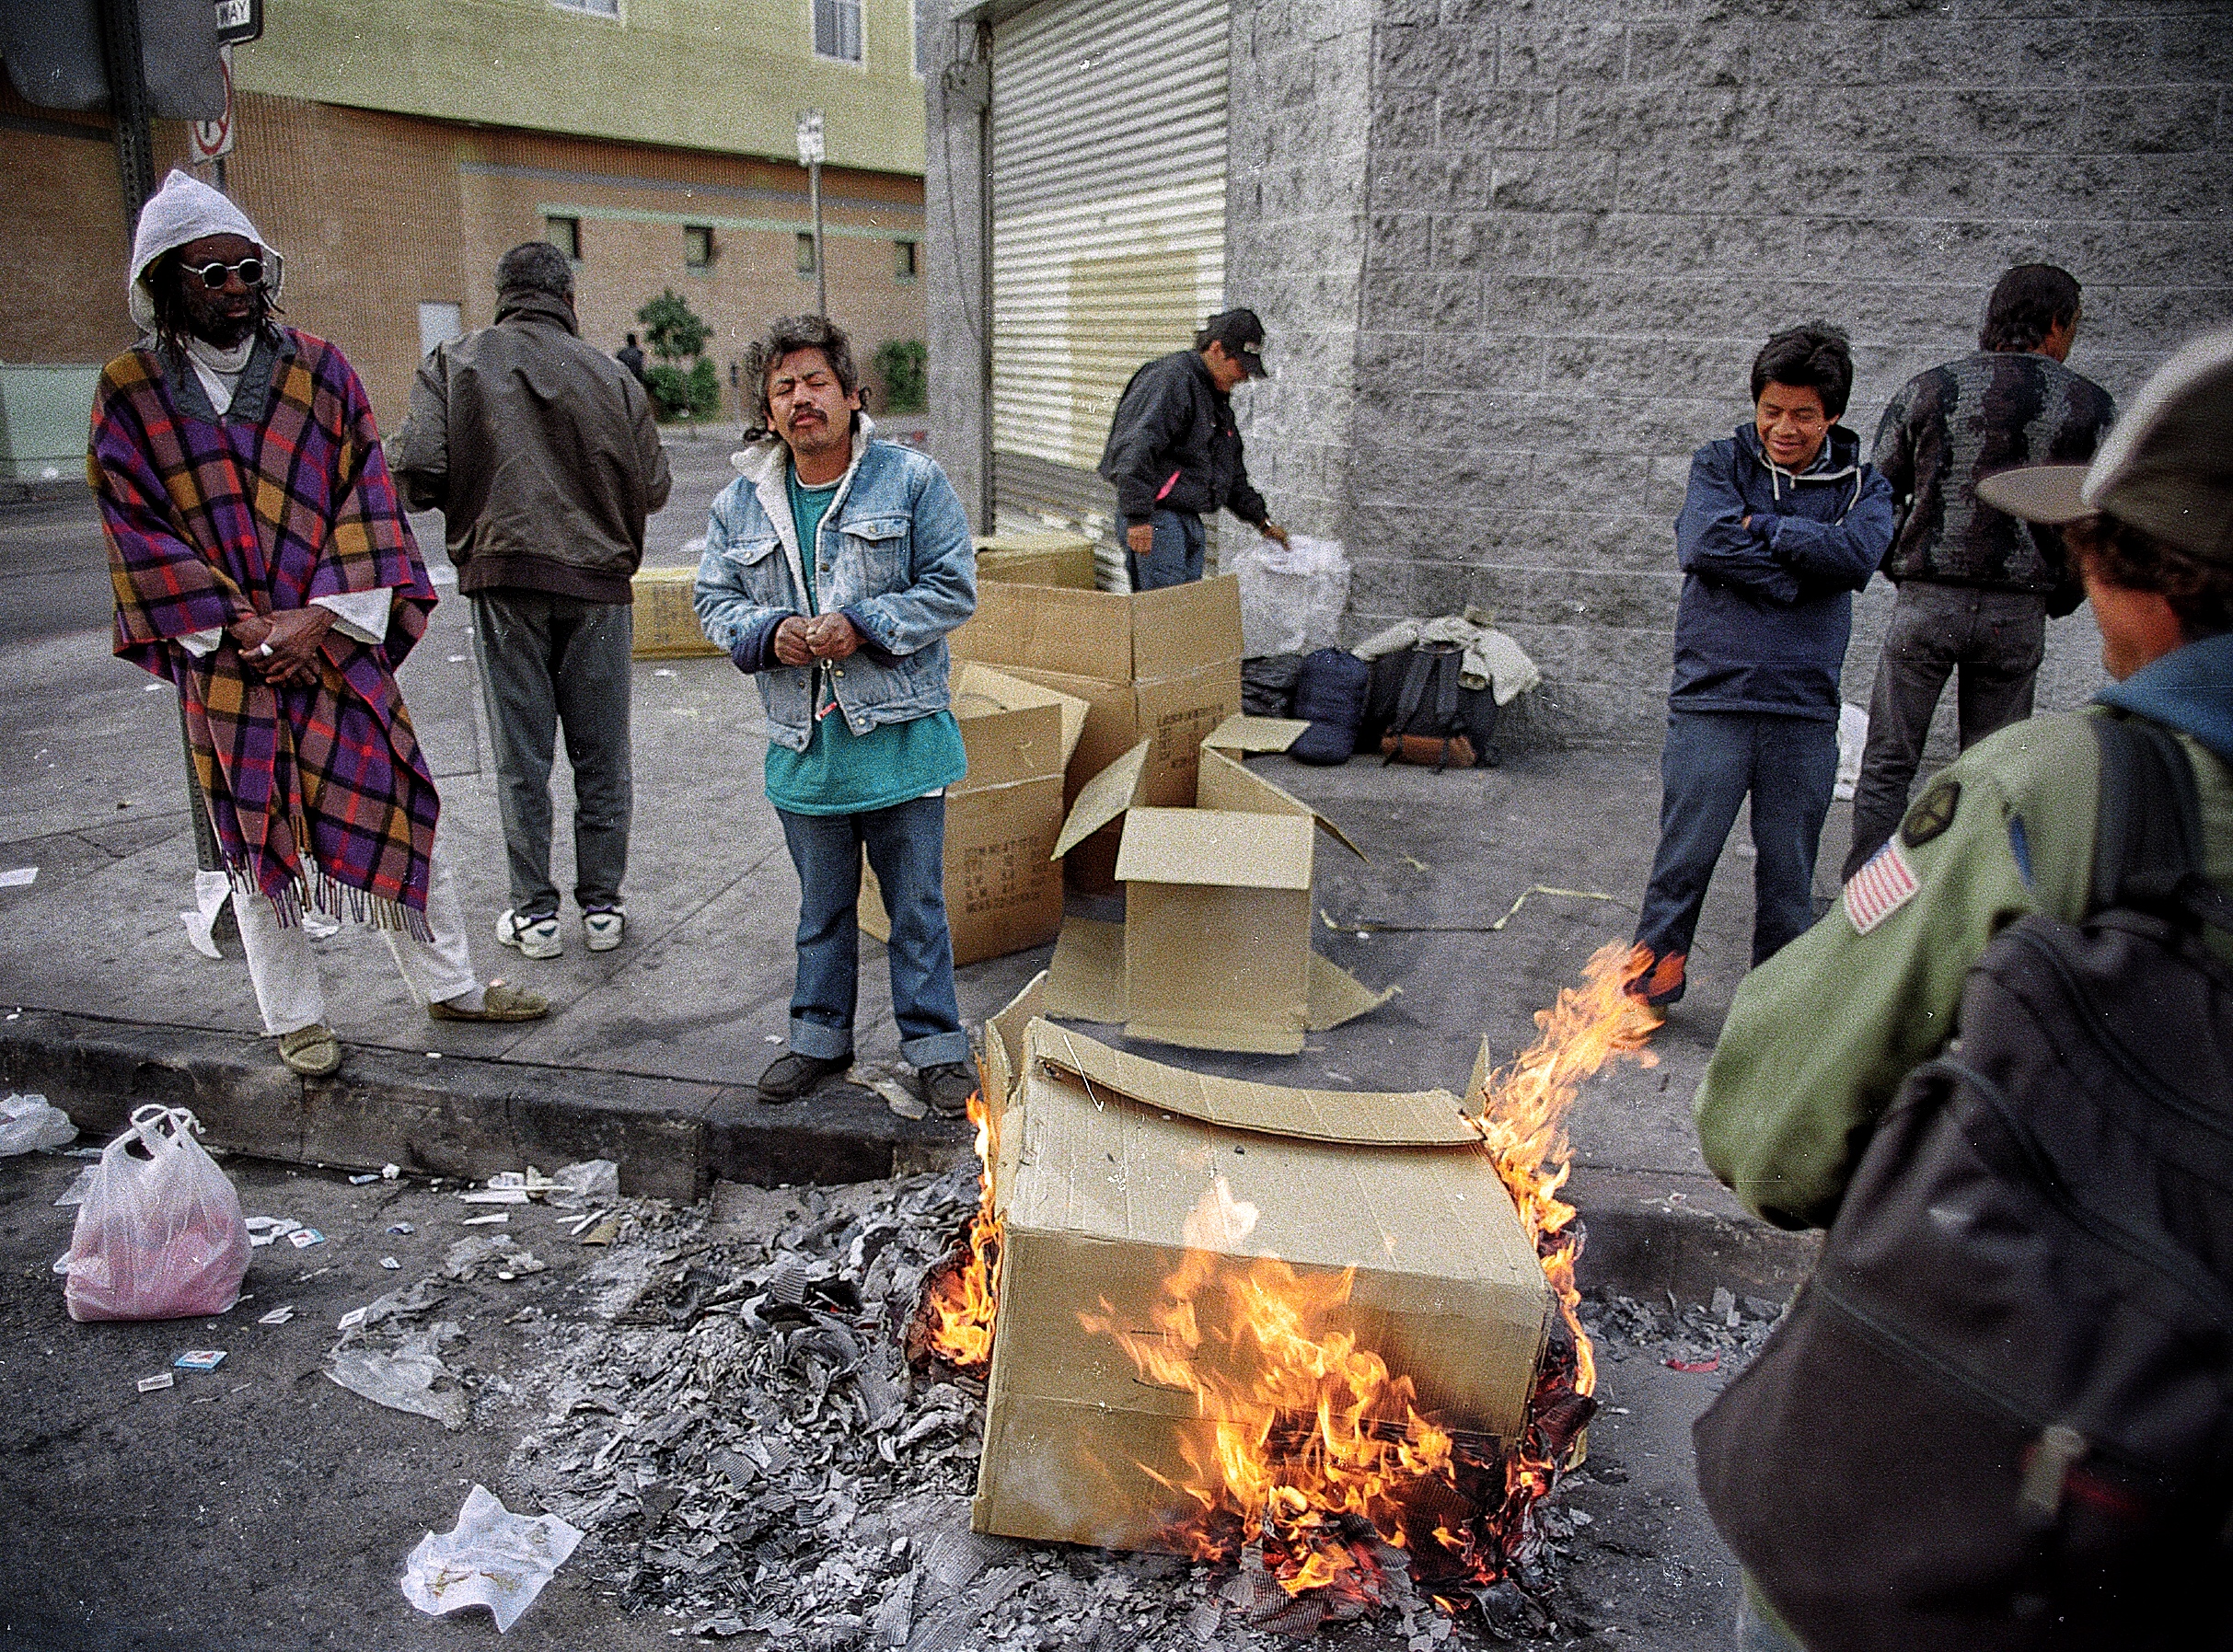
548 662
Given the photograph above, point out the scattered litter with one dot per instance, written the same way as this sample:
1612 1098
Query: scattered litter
278 1316
771 1038
1694 1365
390 1263
1417 864
604 1233
302 1238
403 1381
493 1558
483 1222
663 671
76 1193
574 1185
200 1359
161 1380
433 1054
20 877
495 1196
366 1180
457 659
388 1173
353 1318
593 1218
32 1124
401 1228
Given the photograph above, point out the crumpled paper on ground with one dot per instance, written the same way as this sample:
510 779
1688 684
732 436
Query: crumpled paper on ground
493 1558
28 1122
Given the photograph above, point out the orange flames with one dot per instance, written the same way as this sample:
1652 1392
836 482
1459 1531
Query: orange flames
1318 1446
955 1320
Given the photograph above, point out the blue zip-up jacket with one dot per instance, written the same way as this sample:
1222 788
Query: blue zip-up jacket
893 555
1767 609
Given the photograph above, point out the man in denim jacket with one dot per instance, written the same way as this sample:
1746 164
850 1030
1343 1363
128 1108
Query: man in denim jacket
835 566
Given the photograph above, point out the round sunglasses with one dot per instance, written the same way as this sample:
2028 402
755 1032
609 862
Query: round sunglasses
213 275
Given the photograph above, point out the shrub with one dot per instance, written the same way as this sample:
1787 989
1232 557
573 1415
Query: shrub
704 390
672 328
904 366
670 388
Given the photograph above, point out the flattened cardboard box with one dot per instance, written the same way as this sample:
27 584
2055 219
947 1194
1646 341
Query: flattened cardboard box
1003 890
1214 952
1102 1156
1051 559
1161 666
664 625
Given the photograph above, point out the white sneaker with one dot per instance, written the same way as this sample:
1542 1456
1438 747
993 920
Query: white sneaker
605 929
530 937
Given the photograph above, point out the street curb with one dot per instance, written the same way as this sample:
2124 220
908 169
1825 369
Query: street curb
462 1117
1648 1232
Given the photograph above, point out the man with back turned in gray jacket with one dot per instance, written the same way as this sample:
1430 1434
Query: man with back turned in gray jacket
542 454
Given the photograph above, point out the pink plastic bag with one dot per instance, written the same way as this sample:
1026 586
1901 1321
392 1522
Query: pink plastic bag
159 1237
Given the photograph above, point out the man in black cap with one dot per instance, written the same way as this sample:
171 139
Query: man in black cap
1173 451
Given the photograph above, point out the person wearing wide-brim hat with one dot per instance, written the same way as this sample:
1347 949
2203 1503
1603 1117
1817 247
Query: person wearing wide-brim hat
1821 1038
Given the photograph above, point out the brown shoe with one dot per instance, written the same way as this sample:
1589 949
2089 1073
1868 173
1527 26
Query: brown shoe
312 1051
498 1002
792 1075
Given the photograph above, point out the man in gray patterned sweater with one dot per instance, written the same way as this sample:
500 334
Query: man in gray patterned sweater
1976 585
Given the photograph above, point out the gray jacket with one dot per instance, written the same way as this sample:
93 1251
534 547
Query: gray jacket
540 452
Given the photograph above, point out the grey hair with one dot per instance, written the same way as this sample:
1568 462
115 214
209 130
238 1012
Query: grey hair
535 266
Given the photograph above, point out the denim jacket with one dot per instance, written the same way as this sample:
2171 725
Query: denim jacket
893 555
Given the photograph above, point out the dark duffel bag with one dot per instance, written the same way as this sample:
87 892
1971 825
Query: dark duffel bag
1267 684
1418 710
1330 696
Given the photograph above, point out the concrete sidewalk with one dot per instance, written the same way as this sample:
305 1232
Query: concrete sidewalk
650 1050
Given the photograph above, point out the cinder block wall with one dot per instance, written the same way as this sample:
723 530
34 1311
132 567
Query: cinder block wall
1580 219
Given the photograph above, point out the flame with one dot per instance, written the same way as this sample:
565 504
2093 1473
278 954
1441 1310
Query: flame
1317 1463
960 1299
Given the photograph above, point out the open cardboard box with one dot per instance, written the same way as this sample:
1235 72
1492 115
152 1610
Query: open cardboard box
1039 559
1003 889
1214 952
1163 666
1102 1158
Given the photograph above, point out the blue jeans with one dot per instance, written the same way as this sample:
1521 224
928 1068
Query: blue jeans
1712 761
1175 557
905 845
547 662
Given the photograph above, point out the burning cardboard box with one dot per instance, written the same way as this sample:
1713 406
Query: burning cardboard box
1163 666
1182 1261
1214 952
1004 886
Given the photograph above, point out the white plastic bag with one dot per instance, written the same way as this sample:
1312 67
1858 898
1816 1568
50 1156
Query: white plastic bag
1291 594
159 1237
28 1122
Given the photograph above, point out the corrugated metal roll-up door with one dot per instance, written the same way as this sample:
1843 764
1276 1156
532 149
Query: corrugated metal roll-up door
1108 235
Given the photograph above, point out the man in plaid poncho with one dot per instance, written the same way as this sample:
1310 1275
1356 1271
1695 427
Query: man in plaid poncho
263 567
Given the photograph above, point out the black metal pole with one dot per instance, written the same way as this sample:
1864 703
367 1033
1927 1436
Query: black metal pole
122 56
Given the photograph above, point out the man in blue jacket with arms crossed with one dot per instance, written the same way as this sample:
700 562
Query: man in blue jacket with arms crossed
1782 524
834 567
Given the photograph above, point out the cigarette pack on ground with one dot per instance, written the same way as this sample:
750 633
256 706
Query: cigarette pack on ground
1104 1158
1163 666
1214 952
1003 891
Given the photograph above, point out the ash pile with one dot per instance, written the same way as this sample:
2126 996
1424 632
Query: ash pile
1719 1335
732 1420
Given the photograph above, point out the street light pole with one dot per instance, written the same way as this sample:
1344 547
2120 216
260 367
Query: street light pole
809 156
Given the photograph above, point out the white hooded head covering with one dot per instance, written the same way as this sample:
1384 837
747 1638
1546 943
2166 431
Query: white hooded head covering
185 209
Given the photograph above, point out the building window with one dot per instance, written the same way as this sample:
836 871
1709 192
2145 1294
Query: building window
902 260
566 234
698 246
925 16
836 29
806 254
596 8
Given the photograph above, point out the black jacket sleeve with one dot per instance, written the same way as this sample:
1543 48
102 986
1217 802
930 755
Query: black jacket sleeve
1155 408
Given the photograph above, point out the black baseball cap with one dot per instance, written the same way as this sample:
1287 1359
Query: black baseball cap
1241 335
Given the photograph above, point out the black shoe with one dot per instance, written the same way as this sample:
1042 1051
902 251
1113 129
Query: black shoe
792 1075
947 1088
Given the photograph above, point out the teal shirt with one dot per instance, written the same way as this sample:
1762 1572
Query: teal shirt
841 772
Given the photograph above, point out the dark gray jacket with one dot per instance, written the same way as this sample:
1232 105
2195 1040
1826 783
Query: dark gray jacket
1174 447
540 452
